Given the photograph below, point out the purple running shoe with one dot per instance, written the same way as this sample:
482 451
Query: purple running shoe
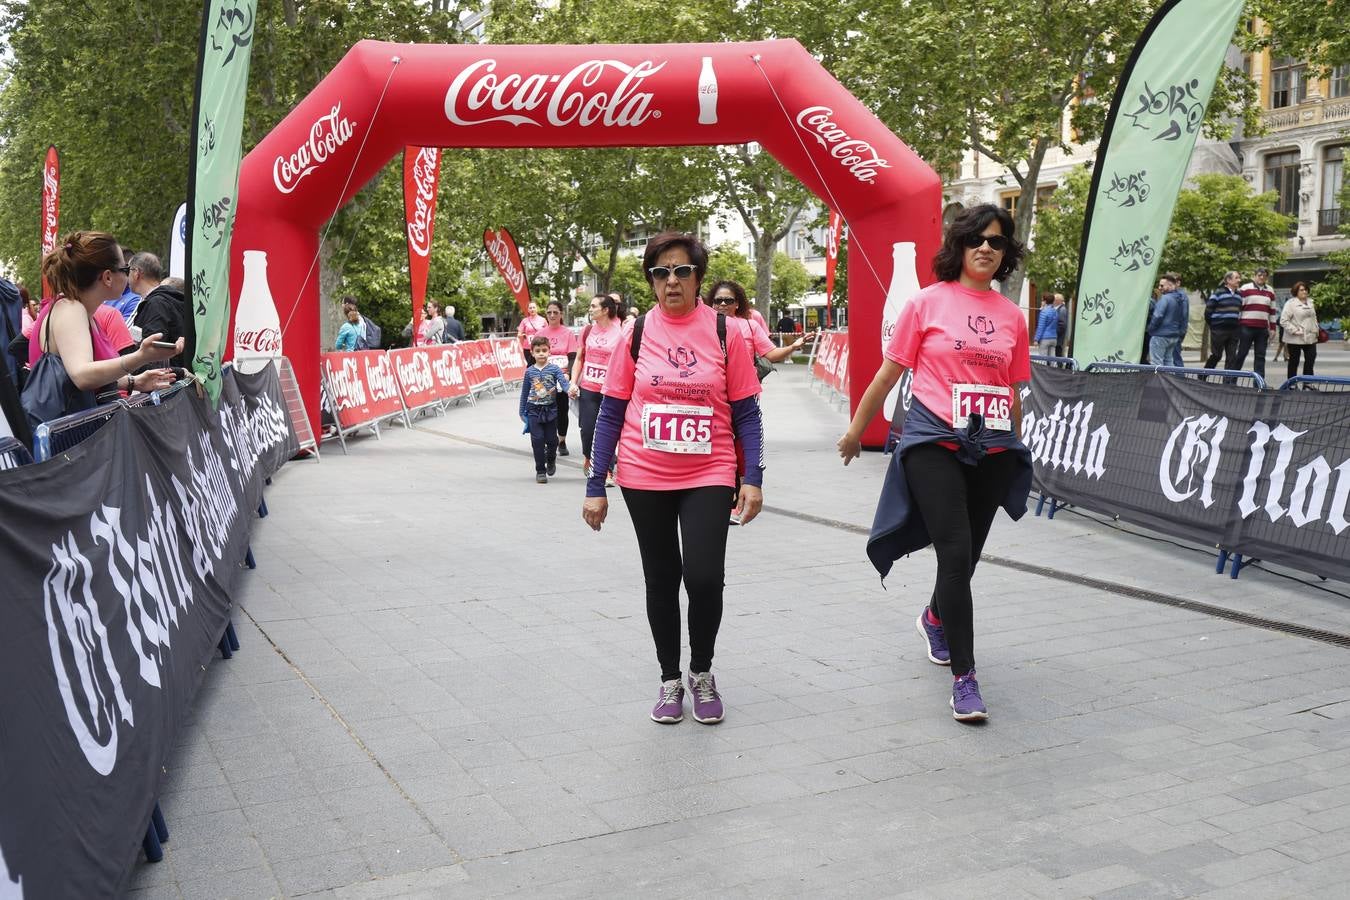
967 705
937 641
670 707
707 702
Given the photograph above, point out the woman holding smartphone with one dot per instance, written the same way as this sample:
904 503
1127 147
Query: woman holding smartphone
959 458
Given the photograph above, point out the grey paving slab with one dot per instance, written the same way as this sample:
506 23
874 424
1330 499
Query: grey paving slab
433 700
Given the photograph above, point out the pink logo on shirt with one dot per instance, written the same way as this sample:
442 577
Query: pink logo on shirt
683 360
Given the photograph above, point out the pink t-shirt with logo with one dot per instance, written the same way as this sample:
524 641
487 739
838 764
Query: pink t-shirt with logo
529 326
949 335
561 341
600 343
677 430
757 337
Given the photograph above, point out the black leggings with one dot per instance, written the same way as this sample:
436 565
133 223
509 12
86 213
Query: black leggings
562 414
588 410
958 503
1309 353
701 516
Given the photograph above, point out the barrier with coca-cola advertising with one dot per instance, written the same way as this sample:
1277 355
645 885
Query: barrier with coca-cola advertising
830 365
509 361
473 95
479 359
429 375
362 387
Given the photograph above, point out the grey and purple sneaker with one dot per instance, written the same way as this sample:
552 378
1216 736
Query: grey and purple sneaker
707 702
669 707
967 705
936 639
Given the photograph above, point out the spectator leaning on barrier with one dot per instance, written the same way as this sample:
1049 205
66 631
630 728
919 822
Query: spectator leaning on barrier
1260 315
1047 326
370 337
126 303
453 332
164 307
1223 311
1061 324
1167 326
350 332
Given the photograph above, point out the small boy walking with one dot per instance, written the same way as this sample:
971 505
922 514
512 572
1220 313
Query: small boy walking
539 391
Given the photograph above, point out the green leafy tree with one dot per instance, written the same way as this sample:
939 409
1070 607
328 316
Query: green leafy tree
1053 259
1221 224
1331 296
791 280
727 263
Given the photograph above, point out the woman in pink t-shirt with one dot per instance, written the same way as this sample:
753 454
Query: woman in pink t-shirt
590 366
959 457
680 383
562 350
529 325
729 297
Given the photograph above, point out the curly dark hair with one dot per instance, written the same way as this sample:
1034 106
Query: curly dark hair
948 261
698 253
742 302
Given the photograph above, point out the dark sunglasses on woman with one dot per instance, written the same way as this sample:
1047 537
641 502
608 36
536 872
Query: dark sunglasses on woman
997 242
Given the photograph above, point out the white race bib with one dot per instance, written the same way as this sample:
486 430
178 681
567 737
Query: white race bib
591 372
992 402
673 428
559 361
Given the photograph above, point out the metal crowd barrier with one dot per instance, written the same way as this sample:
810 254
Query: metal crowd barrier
1059 362
1327 383
1229 376
13 453
59 435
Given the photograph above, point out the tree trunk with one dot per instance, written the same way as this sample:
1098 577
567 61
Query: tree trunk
1011 287
764 247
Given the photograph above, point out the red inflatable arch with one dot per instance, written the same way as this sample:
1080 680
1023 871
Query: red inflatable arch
382 97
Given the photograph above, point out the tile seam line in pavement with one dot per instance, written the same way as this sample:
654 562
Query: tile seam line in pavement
338 717
1336 639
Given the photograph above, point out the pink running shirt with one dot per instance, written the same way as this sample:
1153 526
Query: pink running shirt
683 387
757 337
949 334
600 343
529 326
561 341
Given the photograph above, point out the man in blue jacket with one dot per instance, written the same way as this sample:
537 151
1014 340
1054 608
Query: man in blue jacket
1047 325
1168 326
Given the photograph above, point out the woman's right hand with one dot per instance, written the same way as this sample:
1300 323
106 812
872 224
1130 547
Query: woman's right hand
850 447
149 353
594 510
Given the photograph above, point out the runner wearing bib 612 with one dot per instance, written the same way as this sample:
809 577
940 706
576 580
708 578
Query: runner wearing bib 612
680 383
959 458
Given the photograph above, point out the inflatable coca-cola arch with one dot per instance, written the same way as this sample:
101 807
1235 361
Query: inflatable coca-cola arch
382 97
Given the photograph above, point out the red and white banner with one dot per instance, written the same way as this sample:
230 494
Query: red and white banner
362 387
831 362
421 176
480 362
832 236
502 248
509 360
429 374
51 206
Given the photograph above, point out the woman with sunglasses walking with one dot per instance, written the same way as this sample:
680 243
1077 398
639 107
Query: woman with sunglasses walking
590 367
959 458
729 298
680 384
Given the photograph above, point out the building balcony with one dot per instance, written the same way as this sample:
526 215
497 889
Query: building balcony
1328 221
1309 112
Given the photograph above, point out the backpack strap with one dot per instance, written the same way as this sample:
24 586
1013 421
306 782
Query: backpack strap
637 336
722 334
636 346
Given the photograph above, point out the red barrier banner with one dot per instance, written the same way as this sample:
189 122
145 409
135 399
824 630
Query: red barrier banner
429 374
502 248
832 235
480 362
421 175
509 360
51 206
362 386
831 363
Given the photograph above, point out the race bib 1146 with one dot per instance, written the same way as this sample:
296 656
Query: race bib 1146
674 428
992 402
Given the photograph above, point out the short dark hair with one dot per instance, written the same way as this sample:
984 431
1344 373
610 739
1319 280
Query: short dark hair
149 265
698 253
540 342
562 310
1047 298
615 309
742 302
948 261
349 300
1299 284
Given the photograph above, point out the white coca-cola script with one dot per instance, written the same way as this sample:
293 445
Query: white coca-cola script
329 132
570 98
414 373
858 156
348 390
259 342
380 377
501 255
49 187
424 178
447 368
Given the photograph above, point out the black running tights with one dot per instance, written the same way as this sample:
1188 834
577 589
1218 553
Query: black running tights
958 503
694 520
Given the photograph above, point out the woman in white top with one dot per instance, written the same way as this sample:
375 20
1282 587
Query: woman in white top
1299 320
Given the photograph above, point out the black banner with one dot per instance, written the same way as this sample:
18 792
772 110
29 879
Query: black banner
1261 473
119 558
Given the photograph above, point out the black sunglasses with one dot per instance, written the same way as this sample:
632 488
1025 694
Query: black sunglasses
125 270
661 273
997 242
724 301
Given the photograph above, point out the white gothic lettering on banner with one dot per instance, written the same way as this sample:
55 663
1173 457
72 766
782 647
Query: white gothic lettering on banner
569 98
380 377
858 156
10 888
1307 501
1192 446
328 133
424 177
1064 439
251 432
349 391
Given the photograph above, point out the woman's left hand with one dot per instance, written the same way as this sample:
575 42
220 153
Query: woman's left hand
748 503
154 380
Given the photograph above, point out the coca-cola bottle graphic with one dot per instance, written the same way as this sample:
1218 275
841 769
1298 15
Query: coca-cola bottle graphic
904 284
707 93
257 327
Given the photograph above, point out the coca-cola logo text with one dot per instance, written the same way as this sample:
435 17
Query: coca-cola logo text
414 373
447 368
571 98
500 251
49 195
349 390
326 135
380 377
259 342
424 173
858 156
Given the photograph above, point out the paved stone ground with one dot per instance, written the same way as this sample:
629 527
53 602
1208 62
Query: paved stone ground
445 678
